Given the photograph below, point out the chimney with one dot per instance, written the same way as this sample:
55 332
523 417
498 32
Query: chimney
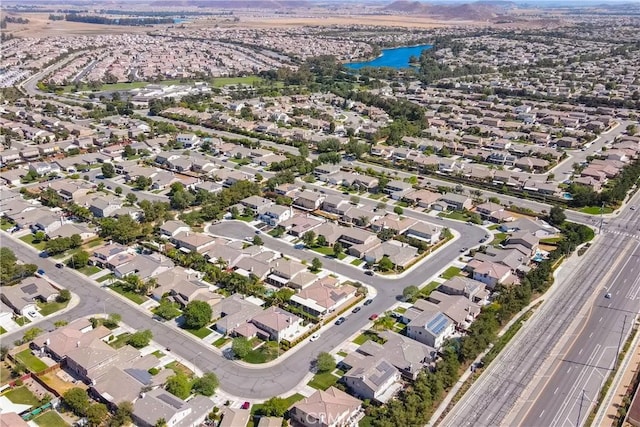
47 342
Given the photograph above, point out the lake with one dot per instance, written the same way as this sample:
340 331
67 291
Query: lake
395 58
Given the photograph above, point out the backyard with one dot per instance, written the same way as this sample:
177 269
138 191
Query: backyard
22 395
50 419
30 361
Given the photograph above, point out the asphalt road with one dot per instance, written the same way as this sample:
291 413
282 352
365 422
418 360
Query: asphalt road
243 381
610 265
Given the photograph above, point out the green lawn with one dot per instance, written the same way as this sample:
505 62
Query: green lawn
21 321
120 341
343 353
450 272
290 401
224 81
51 307
325 250
93 243
22 395
552 240
323 381
424 292
494 227
29 239
403 310
357 262
50 419
595 210
460 216
120 86
267 352
136 298
361 339
105 277
30 361
2 330
89 270
245 218
220 342
200 333
5 224
179 367
499 238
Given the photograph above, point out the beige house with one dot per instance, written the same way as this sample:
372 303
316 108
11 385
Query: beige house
330 408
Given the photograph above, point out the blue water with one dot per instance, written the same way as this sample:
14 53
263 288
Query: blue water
567 196
395 58
180 20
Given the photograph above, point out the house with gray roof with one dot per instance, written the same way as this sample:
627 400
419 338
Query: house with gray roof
233 312
24 296
428 324
377 381
329 408
160 404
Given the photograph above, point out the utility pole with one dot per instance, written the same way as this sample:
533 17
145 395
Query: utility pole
580 407
615 361
601 217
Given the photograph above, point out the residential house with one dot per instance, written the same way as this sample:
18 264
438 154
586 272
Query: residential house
377 381
233 312
103 256
523 241
255 202
424 231
456 201
104 206
283 271
309 200
188 140
458 308
69 229
539 228
397 189
300 224
274 214
400 254
422 198
233 417
323 296
189 241
491 273
158 404
473 290
336 204
279 324
330 408
24 296
428 325
362 217
172 228
143 265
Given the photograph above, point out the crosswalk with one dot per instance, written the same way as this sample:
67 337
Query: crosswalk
619 232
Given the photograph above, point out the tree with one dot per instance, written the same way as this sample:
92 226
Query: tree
39 236
316 265
257 241
75 240
309 238
140 339
97 413
4 350
108 170
179 385
354 200
632 129
325 362
118 191
79 260
112 320
131 198
410 293
398 210
337 249
206 385
197 314
321 240
557 216
385 264
274 407
241 347
161 423
64 295
167 310
31 334
77 400
122 415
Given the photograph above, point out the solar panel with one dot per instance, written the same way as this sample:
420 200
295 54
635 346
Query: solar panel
30 289
438 323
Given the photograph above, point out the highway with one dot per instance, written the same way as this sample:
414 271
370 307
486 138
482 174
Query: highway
550 373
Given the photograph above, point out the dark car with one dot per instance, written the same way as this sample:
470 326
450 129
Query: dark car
59 265
340 321
356 309
40 272
258 232
345 193
369 273
367 302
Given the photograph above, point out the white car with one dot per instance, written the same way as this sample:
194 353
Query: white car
607 295
315 336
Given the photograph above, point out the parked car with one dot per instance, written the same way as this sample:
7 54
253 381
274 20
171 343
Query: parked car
607 295
356 309
246 405
373 317
40 272
340 320
367 302
258 232
464 249
315 336
59 265
369 272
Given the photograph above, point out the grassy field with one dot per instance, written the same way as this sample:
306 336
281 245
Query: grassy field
224 81
21 321
89 270
595 210
51 307
179 367
265 353
424 292
105 277
121 86
552 240
325 250
357 262
137 298
450 272
50 419
29 239
361 339
22 395
499 238
30 361
460 216
5 224
158 354
200 333
220 342
323 381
